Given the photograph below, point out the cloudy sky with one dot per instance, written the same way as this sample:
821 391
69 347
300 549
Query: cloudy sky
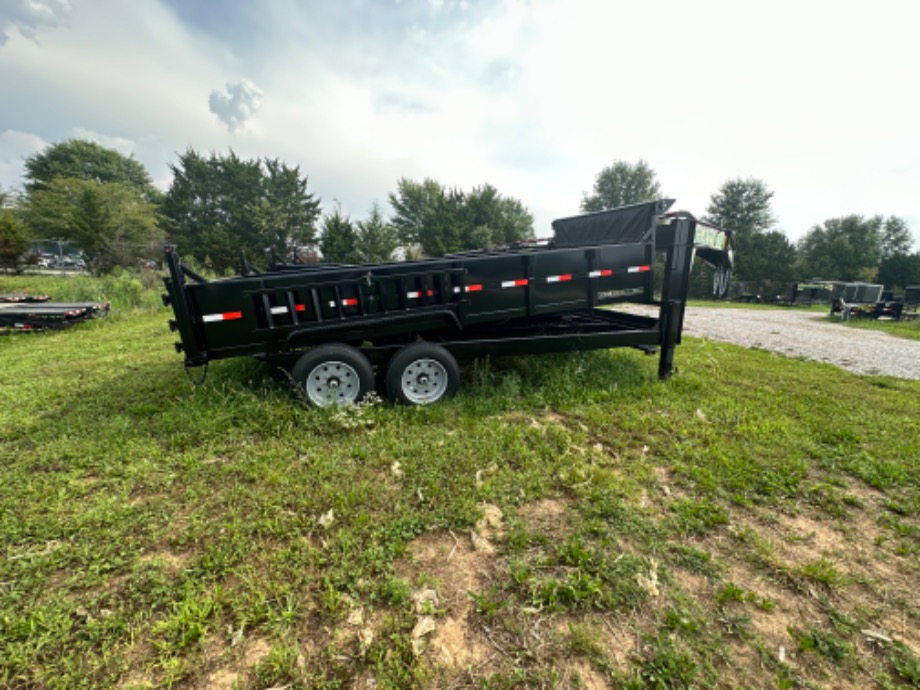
817 98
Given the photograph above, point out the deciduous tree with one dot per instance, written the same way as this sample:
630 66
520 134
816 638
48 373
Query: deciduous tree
896 237
847 248
338 240
444 220
80 159
377 239
109 221
897 271
621 184
742 206
218 206
14 240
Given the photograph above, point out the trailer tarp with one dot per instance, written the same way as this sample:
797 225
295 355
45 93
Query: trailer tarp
626 225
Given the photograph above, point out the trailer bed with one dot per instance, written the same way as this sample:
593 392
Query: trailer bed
31 313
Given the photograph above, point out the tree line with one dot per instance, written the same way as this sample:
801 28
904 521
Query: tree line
218 205
849 248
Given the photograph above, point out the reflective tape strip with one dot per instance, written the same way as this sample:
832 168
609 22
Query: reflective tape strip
603 273
474 288
300 307
279 310
417 293
638 269
559 279
350 302
514 283
226 316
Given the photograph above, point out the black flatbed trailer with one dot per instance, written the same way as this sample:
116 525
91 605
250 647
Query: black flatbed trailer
413 319
38 313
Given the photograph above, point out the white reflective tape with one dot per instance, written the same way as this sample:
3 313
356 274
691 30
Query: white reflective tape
456 289
413 295
208 318
558 279
279 310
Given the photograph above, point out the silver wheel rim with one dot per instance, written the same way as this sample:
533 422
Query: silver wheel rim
424 381
333 383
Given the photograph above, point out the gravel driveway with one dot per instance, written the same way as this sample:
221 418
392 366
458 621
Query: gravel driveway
807 334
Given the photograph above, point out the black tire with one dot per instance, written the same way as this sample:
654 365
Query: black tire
422 373
334 374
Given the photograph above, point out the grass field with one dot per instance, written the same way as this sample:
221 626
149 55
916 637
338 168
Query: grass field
904 328
566 521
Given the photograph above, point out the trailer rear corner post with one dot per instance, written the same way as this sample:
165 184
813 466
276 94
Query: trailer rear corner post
678 261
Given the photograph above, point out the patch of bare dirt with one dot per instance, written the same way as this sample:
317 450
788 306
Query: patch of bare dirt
874 581
456 568
578 673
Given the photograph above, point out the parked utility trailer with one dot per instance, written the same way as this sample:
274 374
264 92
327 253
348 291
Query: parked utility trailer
414 319
38 312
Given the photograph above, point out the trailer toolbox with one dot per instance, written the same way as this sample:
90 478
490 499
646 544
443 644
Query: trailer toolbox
413 319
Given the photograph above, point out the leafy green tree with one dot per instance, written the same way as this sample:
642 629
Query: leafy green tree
896 237
742 206
14 240
764 258
85 160
377 239
338 240
847 248
491 220
621 184
897 271
218 206
443 220
768 261
109 221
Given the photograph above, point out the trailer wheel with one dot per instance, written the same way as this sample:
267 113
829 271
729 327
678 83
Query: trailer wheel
334 375
422 373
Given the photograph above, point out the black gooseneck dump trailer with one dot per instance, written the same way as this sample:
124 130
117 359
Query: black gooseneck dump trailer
414 319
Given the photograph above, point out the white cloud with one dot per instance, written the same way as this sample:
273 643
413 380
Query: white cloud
534 96
126 147
15 147
28 16
237 105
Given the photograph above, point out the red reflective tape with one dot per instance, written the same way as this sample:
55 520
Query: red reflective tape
643 269
474 288
430 293
300 307
520 282
606 272
559 279
350 302
226 316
